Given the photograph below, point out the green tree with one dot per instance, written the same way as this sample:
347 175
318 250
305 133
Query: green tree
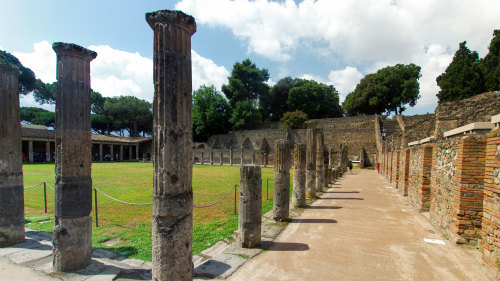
388 90
245 115
211 113
294 120
463 78
27 78
315 99
273 103
491 64
38 116
246 82
130 114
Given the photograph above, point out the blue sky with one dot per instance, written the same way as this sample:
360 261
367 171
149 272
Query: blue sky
332 41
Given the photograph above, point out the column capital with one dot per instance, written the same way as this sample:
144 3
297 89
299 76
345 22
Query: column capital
174 18
72 49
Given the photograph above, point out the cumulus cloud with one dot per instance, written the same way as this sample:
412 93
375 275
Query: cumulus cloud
115 72
345 80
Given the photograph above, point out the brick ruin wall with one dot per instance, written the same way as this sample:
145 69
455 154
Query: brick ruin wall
415 176
354 133
455 114
404 169
395 168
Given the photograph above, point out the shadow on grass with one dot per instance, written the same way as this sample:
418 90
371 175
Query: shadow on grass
283 246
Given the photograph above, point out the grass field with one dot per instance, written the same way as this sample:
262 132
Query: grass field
129 226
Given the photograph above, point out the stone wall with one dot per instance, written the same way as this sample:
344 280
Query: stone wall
443 174
419 126
404 169
455 114
419 177
491 204
395 168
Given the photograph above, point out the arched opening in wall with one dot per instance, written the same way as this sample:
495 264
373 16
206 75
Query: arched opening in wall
232 143
247 144
265 147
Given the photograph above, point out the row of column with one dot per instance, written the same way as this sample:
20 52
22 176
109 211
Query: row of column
264 160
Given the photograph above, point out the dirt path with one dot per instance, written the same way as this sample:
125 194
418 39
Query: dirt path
362 230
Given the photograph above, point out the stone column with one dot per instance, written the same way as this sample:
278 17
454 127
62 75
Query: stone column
129 152
241 157
100 152
172 224
221 158
121 152
281 201
311 163
250 207
73 192
111 152
231 156
211 157
320 161
201 160
47 151
11 170
299 176
330 157
30 149
137 152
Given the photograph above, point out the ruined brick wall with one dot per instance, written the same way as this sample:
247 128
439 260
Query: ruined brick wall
395 168
491 204
443 173
419 178
419 126
404 169
455 114
469 187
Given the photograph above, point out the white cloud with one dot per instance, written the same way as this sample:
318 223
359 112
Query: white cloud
29 101
345 80
115 72
2 48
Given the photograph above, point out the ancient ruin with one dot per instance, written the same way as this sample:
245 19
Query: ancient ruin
73 199
320 171
172 223
299 176
250 207
11 171
311 162
281 201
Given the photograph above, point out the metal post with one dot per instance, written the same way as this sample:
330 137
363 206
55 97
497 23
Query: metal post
267 189
96 212
235 194
45 195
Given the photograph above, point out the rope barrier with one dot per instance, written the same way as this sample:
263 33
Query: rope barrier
49 186
209 205
123 202
26 187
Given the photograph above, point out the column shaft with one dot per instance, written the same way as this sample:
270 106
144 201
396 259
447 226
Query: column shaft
121 152
100 152
299 176
47 151
73 199
231 156
129 152
137 152
320 161
30 149
311 163
250 207
111 152
11 171
281 199
172 219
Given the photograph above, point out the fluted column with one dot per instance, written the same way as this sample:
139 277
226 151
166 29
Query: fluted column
73 193
250 207
299 176
311 163
281 199
11 171
47 151
320 161
172 219
31 153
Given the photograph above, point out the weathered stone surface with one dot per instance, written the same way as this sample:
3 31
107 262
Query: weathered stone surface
320 147
72 243
299 176
250 207
311 162
281 199
73 192
11 173
172 217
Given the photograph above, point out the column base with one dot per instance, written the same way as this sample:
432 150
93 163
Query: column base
72 244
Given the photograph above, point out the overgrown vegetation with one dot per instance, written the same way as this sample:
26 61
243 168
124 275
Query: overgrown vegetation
130 226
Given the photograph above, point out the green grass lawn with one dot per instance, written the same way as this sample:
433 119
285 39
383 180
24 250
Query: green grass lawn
130 225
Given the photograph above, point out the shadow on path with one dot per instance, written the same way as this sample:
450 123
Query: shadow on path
324 207
312 221
283 246
340 191
340 198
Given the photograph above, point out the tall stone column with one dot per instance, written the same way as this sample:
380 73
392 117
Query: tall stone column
311 163
73 192
111 152
30 149
11 171
299 176
221 158
100 152
137 152
231 156
121 152
172 222
330 157
281 201
250 209
47 151
320 161
129 152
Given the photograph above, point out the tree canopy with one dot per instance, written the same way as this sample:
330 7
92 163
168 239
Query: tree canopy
27 80
211 113
315 99
273 103
38 116
491 64
390 89
130 114
463 78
